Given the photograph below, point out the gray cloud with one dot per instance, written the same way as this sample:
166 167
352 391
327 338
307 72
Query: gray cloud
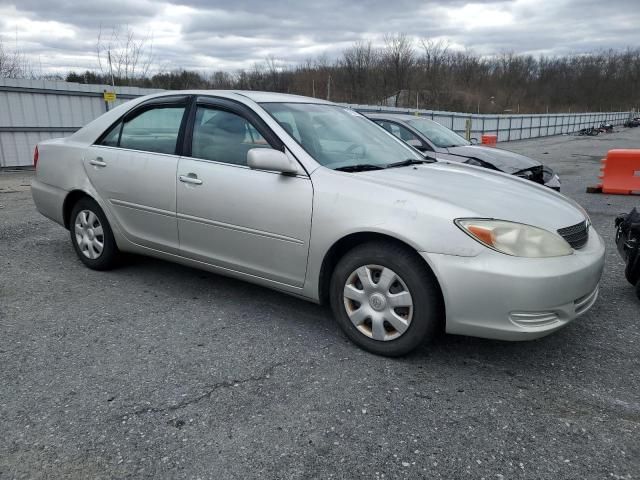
211 35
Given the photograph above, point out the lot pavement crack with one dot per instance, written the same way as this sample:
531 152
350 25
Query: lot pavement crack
209 390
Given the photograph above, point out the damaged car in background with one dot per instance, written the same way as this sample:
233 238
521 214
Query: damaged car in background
440 143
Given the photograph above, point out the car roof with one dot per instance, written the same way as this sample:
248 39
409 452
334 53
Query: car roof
266 97
94 129
256 96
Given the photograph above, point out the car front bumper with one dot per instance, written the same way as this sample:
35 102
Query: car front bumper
498 296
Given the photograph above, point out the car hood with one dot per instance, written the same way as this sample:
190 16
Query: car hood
508 162
470 191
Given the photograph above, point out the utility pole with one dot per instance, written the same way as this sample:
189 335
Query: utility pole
113 84
313 88
329 88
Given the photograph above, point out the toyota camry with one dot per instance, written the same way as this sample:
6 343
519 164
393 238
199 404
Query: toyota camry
315 200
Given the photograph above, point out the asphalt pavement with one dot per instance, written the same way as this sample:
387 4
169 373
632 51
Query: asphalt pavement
155 370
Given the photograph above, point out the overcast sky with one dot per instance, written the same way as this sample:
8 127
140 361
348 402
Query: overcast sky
60 35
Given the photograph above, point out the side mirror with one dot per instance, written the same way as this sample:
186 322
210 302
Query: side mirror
271 160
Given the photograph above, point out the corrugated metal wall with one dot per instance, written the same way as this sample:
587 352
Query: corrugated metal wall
35 110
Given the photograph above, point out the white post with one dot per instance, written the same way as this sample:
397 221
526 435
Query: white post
113 84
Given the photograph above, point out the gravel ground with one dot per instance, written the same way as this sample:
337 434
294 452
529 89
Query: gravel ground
160 371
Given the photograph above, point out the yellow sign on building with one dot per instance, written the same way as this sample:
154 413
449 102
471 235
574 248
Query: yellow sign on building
109 96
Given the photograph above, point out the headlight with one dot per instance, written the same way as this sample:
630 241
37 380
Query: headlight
475 162
547 174
515 239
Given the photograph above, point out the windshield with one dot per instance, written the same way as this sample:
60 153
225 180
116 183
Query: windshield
338 137
440 136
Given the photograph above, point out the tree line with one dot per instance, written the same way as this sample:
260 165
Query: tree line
403 72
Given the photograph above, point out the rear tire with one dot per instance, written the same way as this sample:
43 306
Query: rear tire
91 235
385 299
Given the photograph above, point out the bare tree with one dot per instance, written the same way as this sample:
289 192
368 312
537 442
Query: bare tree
13 64
398 59
123 56
441 78
359 62
432 65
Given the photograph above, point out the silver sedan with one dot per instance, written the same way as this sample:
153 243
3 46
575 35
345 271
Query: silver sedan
312 199
438 142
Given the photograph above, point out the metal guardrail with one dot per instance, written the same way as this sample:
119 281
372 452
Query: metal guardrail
508 127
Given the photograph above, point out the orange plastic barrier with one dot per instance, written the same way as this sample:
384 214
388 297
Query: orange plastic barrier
620 172
489 140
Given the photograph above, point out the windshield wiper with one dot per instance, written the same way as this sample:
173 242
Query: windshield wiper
407 162
360 167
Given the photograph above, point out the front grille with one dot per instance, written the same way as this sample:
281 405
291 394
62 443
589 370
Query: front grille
535 174
576 235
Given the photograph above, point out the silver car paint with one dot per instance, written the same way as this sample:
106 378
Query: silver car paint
506 161
140 189
416 205
265 234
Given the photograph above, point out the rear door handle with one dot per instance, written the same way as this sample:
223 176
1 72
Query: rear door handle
98 162
191 178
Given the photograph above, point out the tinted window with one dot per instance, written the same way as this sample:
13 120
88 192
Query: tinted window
154 130
223 136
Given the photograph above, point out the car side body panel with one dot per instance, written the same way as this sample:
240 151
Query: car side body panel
253 221
139 189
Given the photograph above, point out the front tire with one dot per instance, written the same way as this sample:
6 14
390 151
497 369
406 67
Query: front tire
91 236
385 298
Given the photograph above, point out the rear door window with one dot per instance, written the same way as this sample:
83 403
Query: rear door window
153 130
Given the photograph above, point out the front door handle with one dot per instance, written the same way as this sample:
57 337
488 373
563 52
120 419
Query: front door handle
191 178
98 162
